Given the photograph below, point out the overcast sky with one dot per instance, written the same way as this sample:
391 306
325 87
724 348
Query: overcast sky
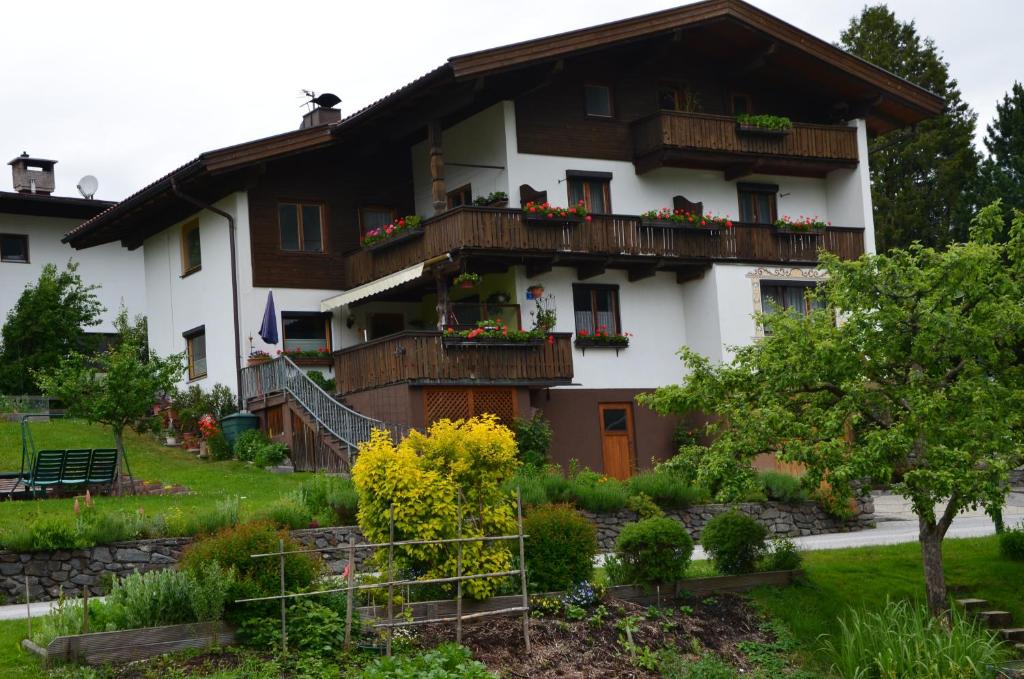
127 91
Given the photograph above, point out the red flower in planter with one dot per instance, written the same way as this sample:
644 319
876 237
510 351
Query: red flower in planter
551 339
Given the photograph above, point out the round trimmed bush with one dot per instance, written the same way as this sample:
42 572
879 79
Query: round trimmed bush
653 551
1011 543
734 541
561 547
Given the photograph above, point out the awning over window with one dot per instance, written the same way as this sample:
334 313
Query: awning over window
372 288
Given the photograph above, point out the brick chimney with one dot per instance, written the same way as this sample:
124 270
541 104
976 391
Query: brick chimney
33 175
320 116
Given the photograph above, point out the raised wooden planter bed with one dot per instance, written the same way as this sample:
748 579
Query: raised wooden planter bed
100 648
401 238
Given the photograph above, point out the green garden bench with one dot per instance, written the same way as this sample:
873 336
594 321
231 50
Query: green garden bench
73 467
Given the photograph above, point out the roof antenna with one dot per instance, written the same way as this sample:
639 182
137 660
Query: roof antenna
325 100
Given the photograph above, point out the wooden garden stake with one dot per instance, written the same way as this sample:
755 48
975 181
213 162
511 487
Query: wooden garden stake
348 595
284 627
458 574
522 569
391 576
28 608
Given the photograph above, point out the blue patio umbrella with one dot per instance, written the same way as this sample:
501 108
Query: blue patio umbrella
268 330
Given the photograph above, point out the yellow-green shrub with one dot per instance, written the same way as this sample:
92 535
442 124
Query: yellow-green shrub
421 479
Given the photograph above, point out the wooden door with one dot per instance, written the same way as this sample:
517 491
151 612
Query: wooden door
617 441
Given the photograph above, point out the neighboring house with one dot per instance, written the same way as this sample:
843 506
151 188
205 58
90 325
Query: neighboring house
32 225
628 117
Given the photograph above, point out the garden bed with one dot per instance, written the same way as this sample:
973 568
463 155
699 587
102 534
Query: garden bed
100 648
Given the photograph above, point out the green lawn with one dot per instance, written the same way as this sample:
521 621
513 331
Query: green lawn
863 577
208 481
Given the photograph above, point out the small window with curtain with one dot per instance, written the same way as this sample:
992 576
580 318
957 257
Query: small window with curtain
598 101
191 248
13 248
593 188
596 307
788 297
195 344
301 227
373 217
305 331
460 196
757 203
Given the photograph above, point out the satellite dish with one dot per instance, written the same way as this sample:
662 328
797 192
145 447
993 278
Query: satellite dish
327 100
87 186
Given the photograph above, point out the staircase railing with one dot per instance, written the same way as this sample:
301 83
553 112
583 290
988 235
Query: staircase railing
281 375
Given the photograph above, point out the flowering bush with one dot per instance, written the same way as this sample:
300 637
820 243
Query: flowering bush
707 221
208 426
602 336
396 228
497 329
801 223
549 211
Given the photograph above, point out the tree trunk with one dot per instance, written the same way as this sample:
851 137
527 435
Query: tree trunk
119 444
934 576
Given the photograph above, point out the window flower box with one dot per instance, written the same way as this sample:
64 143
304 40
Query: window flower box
546 214
321 357
494 199
494 333
801 226
258 358
601 339
763 125
402 229
682 219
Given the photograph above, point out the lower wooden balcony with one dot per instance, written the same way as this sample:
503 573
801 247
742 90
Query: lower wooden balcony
613 241
431 358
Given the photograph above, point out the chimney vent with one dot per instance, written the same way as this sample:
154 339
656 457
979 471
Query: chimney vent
322 111
33 175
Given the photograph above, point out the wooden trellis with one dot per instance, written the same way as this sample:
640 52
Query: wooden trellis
391 622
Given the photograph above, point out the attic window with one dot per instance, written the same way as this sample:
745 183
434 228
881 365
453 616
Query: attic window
598 100
13 248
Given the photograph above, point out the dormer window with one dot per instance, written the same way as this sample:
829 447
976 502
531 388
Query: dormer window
598 100
301 226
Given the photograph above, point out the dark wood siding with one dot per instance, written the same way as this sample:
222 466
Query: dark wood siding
341 184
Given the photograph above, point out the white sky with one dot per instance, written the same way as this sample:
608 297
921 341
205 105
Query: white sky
128 91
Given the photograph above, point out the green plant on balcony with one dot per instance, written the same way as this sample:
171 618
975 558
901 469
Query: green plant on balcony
544 315
467 280
546 210
497 331
765 122
493 199
323 353
801 223
399 227
686 218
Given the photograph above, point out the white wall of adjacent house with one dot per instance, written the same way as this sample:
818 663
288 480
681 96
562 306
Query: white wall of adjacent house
474 153
118 272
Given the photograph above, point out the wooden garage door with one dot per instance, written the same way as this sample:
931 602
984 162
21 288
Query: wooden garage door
463 402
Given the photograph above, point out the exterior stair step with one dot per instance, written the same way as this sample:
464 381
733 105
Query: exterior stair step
972 605
996 618
1014 634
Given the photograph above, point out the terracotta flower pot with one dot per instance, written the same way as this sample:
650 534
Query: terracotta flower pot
467 285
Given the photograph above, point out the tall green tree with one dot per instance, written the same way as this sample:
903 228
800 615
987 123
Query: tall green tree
1002 173
46 325
117 387
921 177
919 388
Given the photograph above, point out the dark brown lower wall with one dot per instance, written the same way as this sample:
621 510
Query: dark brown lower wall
396 404
573 414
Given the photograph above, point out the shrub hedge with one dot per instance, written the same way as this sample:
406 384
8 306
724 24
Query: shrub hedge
560 548
734 542
653 551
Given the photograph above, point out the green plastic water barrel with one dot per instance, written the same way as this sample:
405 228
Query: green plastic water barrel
233 425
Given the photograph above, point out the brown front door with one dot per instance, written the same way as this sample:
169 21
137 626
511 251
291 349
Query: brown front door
617 445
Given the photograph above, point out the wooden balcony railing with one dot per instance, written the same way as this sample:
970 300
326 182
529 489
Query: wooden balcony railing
625 238
715 140
424 358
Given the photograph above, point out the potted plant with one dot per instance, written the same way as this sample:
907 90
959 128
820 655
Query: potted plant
170 436
678 218
544 316
258 356
763 124
207 428
467 280
600 338
403 228
536 290
801 225
546 213
493 199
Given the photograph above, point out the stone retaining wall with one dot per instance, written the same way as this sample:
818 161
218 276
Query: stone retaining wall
74 570
788 520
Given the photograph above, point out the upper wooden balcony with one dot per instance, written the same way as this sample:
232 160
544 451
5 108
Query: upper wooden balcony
612 241
699 140
431 358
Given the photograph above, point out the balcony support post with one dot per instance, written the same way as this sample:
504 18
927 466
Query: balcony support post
439 193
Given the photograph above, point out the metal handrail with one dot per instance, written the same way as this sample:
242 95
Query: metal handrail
282 375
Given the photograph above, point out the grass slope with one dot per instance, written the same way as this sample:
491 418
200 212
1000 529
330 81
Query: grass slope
208 481
863 577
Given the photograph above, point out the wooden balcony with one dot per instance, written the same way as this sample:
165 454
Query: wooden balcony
698 140
613 241
424 358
